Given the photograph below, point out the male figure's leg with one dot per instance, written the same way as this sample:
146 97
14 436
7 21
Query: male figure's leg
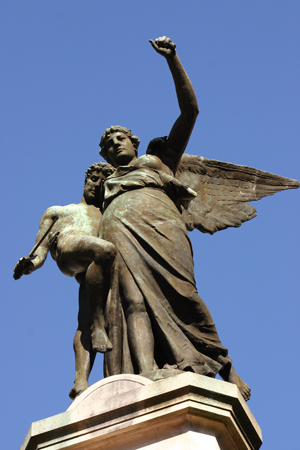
98 278
84 354
95 256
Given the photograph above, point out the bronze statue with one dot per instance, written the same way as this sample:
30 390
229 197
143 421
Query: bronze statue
70 234
157 322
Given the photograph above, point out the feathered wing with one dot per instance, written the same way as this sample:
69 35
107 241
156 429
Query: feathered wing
223 190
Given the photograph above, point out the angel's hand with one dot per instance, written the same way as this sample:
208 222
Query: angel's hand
164 46
23 267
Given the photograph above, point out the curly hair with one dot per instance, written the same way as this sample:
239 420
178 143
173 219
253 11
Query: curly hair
105 168
106 135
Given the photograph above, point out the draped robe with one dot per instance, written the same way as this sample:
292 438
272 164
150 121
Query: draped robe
142 218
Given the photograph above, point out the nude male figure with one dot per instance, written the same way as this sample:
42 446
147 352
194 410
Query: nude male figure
74 244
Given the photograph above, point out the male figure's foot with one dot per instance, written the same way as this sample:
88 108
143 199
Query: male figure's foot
100 341
78 388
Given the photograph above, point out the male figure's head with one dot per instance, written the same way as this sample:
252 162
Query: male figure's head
118 145
95 176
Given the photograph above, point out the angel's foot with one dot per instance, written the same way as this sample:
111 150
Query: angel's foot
243 387
78 388
100 341
232 377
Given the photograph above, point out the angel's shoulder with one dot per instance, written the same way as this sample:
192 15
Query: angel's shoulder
152 162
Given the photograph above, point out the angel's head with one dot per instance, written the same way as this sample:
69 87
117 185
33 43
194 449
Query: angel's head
118 146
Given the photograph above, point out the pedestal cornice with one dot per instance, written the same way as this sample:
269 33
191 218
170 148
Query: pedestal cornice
129 412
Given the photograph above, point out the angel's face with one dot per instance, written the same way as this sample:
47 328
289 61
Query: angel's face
120 149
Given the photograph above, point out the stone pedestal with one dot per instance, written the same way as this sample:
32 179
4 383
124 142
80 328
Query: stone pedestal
127 412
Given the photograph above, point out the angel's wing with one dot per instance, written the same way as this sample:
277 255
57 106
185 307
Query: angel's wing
223 190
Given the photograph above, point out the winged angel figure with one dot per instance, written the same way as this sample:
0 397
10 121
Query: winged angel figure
156 320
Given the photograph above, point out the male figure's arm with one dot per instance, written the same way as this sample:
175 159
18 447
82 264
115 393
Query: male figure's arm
37 256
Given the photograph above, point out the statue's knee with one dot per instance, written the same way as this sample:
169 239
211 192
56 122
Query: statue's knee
110 252
136 308
105 254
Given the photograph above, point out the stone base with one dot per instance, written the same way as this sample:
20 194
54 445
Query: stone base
128 412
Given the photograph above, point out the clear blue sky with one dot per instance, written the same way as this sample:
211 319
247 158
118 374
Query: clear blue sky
70 69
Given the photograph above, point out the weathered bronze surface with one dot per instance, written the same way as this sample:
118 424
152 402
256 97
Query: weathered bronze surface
141 269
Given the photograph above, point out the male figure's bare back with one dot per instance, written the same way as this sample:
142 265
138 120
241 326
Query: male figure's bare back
73 235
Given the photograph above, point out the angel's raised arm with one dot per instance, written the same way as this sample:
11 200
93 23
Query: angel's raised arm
182 128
